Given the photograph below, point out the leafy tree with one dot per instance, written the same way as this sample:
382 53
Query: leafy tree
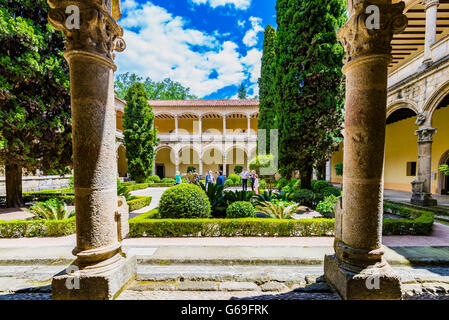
139 134
267 114
164 90
35 118
308 83
242 92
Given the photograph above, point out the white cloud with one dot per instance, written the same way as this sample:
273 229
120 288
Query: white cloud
251 39
241 23
160 45
239 4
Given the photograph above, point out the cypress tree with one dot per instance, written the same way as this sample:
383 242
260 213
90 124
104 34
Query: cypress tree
140 137
267 113
309 92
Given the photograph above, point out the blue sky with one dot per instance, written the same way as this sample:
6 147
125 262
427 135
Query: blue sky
210 46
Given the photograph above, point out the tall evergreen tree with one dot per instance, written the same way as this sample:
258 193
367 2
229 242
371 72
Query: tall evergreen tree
140 137
308 83
35 118
242 92
267 113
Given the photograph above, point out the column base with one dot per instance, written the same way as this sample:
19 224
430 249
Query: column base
369 284
94 284
424 200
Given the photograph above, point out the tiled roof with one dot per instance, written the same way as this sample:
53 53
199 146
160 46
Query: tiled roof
204 103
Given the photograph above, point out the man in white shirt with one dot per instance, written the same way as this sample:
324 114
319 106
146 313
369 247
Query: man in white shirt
245 175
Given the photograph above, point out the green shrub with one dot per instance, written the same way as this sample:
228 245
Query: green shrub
319 185
234 196
238 169
37 228
287 189
326 207
413 222
281 183
241 209
138 186
245 227
229 183
215 193
122 190
138 203
52 209
339 169
236 179
292 182
168 180
328 191
304 197
184 201
297 186
262 162
262 184
279 210
154 179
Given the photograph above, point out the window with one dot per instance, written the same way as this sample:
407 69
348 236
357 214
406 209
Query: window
411 169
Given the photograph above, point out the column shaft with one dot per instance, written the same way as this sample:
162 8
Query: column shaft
431 27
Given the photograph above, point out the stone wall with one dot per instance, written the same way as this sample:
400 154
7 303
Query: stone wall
36 183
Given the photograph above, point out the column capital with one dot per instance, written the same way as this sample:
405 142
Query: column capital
425 134
430 3
361 39
97 32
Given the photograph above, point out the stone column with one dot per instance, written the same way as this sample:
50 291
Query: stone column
224 164
224 128
422 194
431 28
358 269
101 267
176 126
200 127
249 127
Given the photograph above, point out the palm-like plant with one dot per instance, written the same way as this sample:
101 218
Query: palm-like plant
283 196
215 194
122 190
277 210
52 209
267 196
234 196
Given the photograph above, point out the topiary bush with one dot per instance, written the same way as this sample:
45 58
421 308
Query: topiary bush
238 169
326 192
241 209
304 197
235 178
319 185
326 207
184 201
154 178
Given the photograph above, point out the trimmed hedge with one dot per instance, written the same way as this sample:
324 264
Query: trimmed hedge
137 186
139 203
414 222
246 227
37 228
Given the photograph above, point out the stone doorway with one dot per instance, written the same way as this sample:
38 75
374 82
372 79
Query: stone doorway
160 170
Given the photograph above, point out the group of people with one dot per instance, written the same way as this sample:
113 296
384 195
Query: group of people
220 179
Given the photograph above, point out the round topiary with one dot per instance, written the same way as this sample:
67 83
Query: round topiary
155 179
241 209
184 201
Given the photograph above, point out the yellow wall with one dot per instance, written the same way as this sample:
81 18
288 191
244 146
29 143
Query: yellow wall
236 157
440 141
163 157
164 126
337 157
401 146
119 120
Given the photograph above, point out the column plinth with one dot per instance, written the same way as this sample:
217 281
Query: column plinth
101 267
358 261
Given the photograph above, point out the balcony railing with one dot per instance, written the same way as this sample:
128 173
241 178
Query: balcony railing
243 137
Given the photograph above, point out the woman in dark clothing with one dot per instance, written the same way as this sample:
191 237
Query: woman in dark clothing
252 178
221 179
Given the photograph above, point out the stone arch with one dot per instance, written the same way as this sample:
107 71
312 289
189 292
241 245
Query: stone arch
188 156
236 155
165 161
443 180
402 104
435 99
122 165
212 158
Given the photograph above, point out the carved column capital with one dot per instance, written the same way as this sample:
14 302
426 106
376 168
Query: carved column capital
360 39
97 31
430 3
425 135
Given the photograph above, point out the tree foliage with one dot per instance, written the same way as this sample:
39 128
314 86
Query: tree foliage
242 92
309 91
35 118
139 134
267 114
164 90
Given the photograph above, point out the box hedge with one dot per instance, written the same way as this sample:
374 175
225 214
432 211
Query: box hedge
413 222
37 228
138 203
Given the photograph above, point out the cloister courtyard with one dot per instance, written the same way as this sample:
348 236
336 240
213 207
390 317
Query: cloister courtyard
135 189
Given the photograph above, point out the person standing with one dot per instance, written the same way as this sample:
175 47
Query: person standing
221 178
252 178
244 174
209 178
256 183
178 177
